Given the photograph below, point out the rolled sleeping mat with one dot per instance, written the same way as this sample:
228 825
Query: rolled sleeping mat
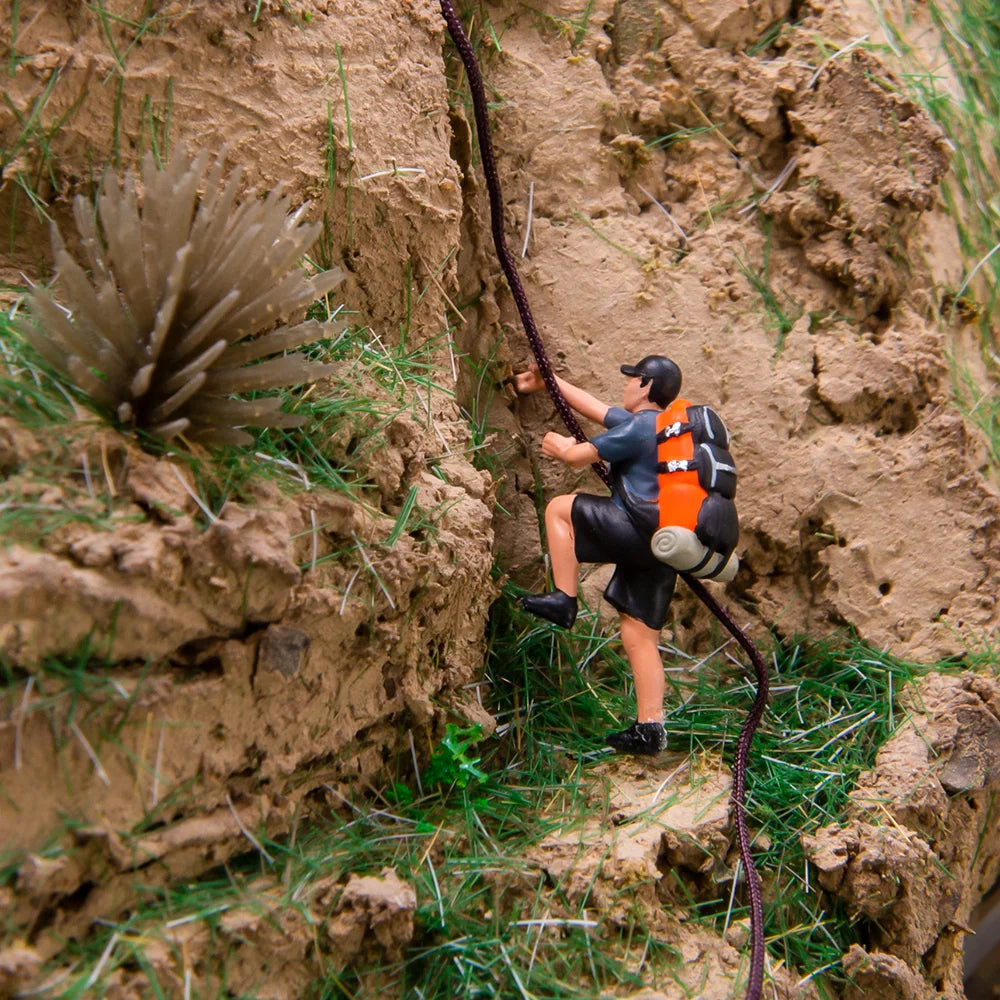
680 549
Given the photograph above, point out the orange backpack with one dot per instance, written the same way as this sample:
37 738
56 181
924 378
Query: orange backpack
699 527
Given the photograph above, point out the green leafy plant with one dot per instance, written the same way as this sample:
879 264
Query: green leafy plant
451 763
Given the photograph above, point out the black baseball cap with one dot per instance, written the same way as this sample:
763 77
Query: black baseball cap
662 372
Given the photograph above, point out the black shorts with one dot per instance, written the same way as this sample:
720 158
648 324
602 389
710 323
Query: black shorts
641 586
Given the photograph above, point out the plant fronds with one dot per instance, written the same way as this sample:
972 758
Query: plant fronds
176 308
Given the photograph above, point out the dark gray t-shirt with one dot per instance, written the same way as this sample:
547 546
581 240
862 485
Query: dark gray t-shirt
629 444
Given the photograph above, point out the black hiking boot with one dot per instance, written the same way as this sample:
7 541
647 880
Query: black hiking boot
557 607
645 738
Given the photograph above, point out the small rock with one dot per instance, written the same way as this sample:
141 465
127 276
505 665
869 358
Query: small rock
975 754
738 934
284 649
19 964
381 907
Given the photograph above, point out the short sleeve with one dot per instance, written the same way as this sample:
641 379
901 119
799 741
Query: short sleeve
616 415
623 439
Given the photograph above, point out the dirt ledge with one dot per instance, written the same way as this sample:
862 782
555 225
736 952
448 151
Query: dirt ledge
917 850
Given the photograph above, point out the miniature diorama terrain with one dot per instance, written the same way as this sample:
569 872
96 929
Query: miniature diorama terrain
273 722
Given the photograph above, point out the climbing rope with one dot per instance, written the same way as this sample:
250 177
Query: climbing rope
464 47
755 984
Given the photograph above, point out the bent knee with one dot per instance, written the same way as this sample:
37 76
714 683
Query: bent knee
560 507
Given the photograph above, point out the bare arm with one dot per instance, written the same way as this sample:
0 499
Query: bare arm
566 449
583 402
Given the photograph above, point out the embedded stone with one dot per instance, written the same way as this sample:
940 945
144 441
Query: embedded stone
284 649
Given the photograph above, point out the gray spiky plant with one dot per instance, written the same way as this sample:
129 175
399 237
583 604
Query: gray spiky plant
180 304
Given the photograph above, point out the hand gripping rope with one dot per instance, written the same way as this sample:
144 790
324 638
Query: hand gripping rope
464 47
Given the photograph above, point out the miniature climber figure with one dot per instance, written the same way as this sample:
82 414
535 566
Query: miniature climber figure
670 509
617 529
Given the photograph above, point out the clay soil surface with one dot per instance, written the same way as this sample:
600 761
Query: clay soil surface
762 206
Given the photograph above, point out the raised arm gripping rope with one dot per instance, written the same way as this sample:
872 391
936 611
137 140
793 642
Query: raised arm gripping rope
464 47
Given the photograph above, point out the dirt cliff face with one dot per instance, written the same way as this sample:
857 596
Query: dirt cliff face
193 659
761 207
758 212
178 677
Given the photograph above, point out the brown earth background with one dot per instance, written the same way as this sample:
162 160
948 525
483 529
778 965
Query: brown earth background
277 647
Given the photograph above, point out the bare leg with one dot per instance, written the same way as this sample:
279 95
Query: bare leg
641 648
562 544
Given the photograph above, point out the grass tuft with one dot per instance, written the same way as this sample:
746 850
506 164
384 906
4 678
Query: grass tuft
341 430
832 708
177 312
969 35
963 97
781 314
980 405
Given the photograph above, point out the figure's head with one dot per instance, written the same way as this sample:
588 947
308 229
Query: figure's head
661 375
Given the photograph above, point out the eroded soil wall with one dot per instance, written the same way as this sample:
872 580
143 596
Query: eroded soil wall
763 208
184 669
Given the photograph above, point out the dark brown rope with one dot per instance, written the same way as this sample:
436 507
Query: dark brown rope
755 983
464 47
